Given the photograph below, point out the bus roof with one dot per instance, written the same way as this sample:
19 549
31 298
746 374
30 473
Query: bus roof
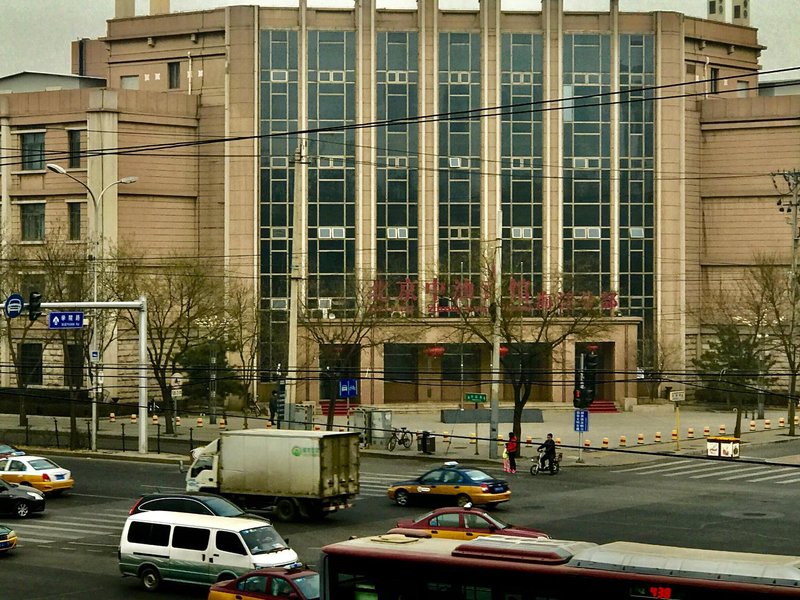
508 552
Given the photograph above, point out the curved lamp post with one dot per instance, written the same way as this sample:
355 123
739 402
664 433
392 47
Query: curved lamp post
97 242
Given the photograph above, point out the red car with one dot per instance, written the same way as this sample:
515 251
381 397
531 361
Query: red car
296 583
463 523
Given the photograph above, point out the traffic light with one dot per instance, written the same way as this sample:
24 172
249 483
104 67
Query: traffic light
591 362
281 398
579 399
34 306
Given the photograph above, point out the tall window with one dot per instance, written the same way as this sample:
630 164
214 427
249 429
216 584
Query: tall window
74 220
174 75
32 151
75 150
30 357
32 221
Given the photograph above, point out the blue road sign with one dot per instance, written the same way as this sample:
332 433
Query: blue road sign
65 320
581 421
14 305
348 388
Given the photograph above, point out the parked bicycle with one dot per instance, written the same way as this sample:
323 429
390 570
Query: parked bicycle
403 438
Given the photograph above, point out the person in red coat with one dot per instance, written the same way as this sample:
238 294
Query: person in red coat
511 447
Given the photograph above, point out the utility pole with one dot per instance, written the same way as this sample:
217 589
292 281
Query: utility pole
296 274
792 178
494 417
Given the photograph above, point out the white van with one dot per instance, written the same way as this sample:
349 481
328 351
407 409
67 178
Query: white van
171 546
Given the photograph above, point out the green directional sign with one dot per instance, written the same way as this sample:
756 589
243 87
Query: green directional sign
475 397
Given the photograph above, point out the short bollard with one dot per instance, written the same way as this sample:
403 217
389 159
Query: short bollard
158 438
221 423
781 422
154 419
587 443
445 437
605 442
499 440
134 419
623 441
529 441
473 439
752 425
767 424
706 431
640 438
199 422
674 435
722 429
558 441
268 425
112 418
658 436
690 433
178 421
796 420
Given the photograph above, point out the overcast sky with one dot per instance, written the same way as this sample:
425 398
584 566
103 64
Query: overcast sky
35 35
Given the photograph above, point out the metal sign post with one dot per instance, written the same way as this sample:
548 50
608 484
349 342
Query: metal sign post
581 425
141 306
677 397
476 399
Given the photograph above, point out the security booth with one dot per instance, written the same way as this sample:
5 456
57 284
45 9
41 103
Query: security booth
726 447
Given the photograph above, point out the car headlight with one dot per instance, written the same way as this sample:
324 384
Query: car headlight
35 495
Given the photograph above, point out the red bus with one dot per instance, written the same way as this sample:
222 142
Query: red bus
400 567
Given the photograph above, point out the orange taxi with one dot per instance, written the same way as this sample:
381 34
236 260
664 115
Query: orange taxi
8 539
36 471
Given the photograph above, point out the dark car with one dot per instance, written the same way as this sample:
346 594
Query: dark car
198 503
9 450
20 500
450 484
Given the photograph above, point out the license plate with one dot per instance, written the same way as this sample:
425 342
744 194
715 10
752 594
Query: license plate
5 544
59 477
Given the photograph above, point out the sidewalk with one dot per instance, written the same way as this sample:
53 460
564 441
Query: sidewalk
452 442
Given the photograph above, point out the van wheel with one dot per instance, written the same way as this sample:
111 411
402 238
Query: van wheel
285 510
150 578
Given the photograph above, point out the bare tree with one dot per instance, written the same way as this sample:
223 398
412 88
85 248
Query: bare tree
340 341
242 327
529 328
181 292
772 295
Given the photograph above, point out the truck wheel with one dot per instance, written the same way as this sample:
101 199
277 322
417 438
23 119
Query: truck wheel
150 578
285 510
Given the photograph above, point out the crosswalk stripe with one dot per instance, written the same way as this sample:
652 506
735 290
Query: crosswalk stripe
713 472
744 473
698 469
795 480
777 474
56 530
655 467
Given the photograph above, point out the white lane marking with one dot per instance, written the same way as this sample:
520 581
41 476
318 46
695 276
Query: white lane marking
781 473
714 472
746 472
654 467
705 468
795 480
51 528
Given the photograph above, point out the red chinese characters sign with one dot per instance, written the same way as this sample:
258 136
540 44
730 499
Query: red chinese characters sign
449 299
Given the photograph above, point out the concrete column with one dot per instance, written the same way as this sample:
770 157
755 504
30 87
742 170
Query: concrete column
5 216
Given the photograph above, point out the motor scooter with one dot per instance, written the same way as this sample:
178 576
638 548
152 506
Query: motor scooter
555 467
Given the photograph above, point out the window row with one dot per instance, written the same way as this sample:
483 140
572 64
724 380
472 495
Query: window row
32 149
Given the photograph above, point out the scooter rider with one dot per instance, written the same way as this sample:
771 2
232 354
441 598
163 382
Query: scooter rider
548 449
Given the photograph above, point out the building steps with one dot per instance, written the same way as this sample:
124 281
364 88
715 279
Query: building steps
340 410
603 406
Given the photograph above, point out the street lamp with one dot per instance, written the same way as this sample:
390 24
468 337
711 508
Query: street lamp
98 250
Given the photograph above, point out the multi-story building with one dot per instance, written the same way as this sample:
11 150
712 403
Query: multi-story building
600 148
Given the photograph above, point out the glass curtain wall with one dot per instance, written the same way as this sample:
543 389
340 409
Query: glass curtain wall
279 101
636 175
331 172
459 172
397 159
521 160
587 163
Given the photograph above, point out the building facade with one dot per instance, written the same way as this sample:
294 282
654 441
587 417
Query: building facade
589 144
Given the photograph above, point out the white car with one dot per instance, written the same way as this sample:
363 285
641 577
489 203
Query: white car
36 471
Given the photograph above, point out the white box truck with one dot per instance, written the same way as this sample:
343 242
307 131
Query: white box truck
293 473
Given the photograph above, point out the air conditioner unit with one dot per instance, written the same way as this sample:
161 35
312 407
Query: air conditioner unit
741 12
279 303
716 10
324 303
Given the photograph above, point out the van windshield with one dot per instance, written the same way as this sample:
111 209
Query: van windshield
263 540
